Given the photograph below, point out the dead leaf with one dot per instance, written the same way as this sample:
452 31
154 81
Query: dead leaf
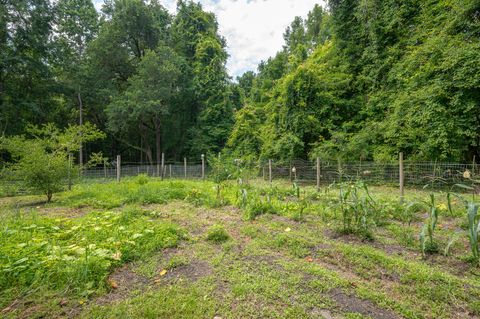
288 229
309 259
117 256
113 284
163 272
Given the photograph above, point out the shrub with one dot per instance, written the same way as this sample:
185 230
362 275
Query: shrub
142 179
39 170
42 163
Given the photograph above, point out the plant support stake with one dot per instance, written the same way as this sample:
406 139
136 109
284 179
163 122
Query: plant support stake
118 167
203 166
401 176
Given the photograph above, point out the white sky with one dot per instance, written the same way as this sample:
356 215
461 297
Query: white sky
253 28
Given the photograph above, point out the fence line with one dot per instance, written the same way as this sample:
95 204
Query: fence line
317 172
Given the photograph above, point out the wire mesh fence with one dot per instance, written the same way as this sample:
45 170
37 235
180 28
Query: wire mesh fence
168 170
416 174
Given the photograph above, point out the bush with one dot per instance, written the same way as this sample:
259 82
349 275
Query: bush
142 179
42 163
39 170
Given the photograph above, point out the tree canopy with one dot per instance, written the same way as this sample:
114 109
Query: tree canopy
356 79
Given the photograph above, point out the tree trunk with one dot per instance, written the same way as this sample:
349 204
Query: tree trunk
49 196
147 148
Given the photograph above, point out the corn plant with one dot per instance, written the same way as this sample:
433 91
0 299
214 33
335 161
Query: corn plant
358 209
429 228
473 217
242 198
296 189
473 228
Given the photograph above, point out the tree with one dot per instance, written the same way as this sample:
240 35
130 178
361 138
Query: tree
149 98
42 162
27 86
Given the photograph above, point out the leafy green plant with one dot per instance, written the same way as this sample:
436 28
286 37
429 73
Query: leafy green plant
359 209
142 179
428 229
195 197
217 234
473 229
296 189
242 198
258 206
75 255
409 211
473 217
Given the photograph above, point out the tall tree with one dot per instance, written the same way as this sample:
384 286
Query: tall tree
27 86
149 99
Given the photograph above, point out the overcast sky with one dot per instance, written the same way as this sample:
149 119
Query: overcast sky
253 28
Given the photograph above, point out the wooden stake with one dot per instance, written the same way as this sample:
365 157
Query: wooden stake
185 167
318 174
402 177
118 168
69 171
270 171
163 166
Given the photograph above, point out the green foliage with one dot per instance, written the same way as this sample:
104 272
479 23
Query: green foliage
39 170
258 206
217 234
360 212
367 80
75 255
142 179
428 229
42 164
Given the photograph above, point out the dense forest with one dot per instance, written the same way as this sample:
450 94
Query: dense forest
154 82
356 80
366 80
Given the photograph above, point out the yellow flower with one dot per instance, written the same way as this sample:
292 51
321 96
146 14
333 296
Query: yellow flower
442 207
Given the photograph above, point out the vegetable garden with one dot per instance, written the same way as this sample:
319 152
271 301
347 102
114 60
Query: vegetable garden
235 247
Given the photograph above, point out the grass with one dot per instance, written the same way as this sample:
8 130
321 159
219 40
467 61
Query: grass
145 248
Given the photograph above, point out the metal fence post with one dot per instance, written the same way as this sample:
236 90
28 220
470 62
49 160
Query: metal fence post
203 166
119 167
401 177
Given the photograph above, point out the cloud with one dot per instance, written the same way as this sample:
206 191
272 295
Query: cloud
253 28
